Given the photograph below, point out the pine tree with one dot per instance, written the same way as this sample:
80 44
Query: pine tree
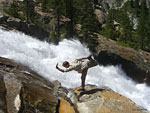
131 4
148 31
141 29
110 30
29 10
78 10
90 24
85 16
89 21
126 33
70 14
58 6
13 10
137 6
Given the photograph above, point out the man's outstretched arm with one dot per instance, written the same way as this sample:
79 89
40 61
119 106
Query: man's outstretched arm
59 68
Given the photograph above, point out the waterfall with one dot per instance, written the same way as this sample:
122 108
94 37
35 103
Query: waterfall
42 57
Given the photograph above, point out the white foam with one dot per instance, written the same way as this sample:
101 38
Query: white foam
43 57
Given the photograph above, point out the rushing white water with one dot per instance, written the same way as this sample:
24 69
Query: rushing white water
42 58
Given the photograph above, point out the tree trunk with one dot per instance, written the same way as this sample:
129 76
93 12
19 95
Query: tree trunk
58 27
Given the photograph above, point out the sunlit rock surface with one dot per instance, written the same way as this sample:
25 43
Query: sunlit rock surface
102 100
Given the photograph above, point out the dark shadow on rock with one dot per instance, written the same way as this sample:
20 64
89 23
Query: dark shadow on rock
92 91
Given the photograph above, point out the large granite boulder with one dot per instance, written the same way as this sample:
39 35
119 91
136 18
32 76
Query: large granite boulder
24 91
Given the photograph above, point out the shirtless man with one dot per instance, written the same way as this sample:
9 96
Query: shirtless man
80 65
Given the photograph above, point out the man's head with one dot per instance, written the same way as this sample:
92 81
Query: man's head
66 64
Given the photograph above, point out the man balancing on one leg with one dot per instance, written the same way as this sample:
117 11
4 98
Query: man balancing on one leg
80 65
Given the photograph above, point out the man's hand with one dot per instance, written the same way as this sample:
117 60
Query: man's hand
59 68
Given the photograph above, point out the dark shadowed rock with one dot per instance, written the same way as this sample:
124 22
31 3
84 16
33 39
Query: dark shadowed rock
3 19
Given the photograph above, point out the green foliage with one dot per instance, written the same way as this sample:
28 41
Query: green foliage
130 44
145 66
29 10
69 13
122 44
53 37
148 32
134 45
143 28
21 16
110 30
14 9
137 6
126 33
84 13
